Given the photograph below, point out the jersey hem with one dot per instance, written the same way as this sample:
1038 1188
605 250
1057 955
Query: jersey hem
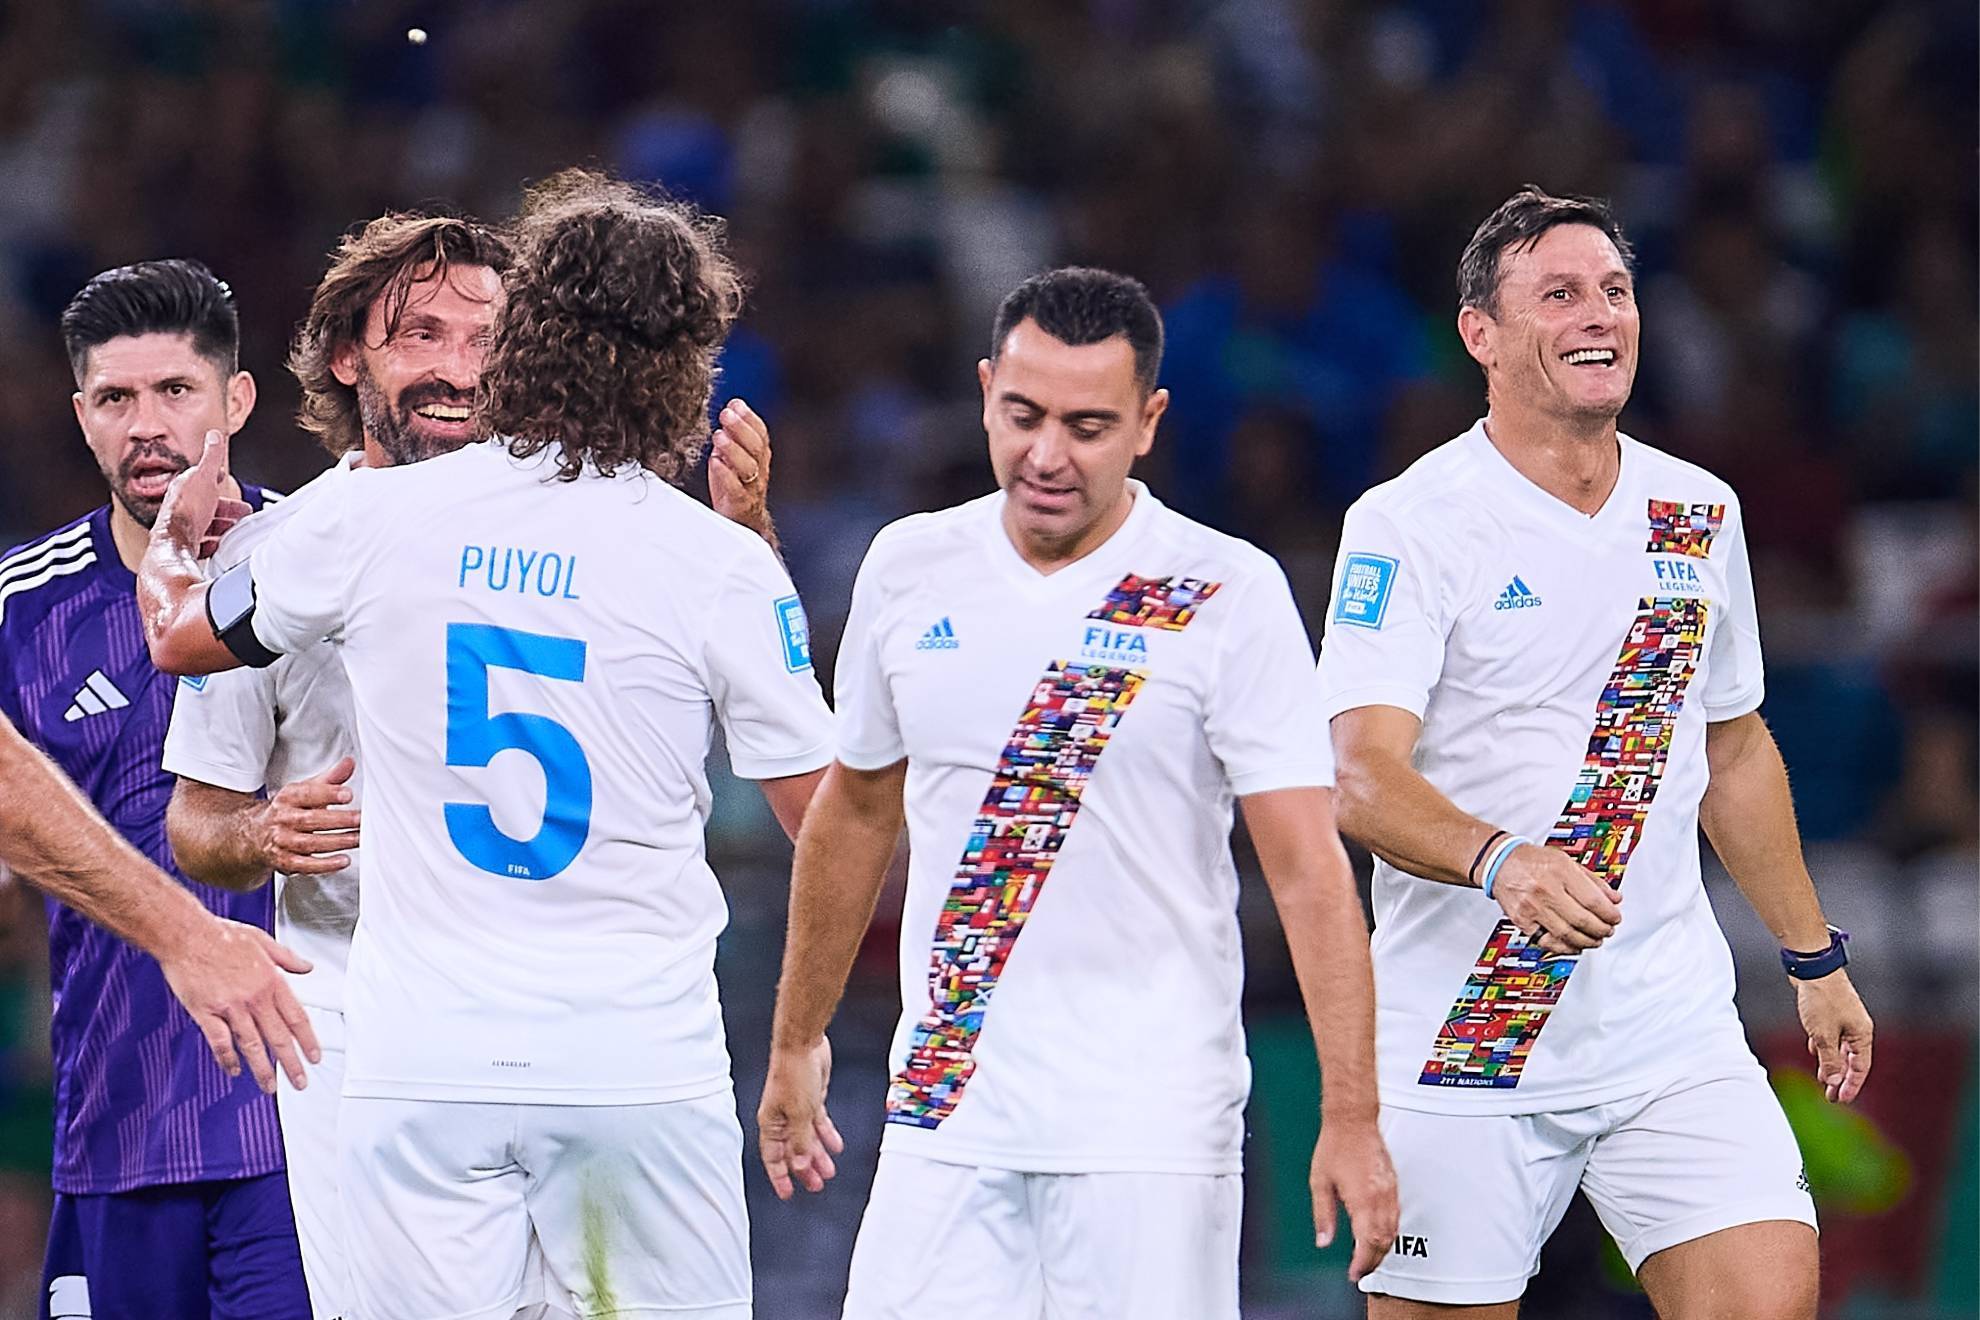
899 1139
854 759
781 767
1732 710
218 776
138 1182
1281 777
1408 699
1485 1102
361 1088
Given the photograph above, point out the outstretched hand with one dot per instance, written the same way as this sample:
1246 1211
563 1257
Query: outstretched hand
1351 1168
229 977
795 1136
1839 1031
305 827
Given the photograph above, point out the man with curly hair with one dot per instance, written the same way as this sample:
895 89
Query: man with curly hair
534 1041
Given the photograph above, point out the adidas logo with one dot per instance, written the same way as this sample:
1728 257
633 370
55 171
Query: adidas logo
1516 596
96 695
941 637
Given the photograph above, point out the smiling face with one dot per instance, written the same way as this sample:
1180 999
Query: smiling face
145 403
415 377
1563 339
1065 424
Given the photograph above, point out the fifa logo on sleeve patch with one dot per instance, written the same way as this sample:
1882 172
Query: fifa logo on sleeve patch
1363 597
796 630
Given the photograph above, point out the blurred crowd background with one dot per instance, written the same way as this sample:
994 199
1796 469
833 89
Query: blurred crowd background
1294 180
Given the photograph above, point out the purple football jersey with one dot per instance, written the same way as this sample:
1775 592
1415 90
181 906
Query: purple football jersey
139 1100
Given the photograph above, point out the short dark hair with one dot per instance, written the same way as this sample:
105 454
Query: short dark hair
1083 305
618 303
1517 225
173 297
381 260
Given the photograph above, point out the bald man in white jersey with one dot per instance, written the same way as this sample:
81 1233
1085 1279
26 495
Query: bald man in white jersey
1543 670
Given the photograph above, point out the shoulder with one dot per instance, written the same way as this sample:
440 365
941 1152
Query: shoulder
1434 483
920 535
1688 481
1230 561
275 509
48 567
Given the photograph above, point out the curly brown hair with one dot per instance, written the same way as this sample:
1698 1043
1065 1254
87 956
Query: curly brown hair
384 260
605 348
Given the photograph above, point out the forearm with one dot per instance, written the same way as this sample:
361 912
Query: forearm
213 836
1328 937
51 836
1748 815
1387 807
1313 888
843 850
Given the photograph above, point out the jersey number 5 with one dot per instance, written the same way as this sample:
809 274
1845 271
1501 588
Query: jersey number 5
474 736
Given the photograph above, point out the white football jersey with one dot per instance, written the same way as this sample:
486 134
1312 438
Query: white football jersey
250 729
1564 667
1070 964
536 667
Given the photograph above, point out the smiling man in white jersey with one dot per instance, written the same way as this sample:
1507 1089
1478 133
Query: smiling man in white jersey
388 357
1064 688
535 1042
1543 670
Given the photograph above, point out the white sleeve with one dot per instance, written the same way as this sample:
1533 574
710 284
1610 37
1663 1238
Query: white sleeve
1386 625
302 571
869 725
758 662
1737 682
1263 719
223 729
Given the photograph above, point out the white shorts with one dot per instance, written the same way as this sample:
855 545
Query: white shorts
965 1242
309 1147
639 1208
1481 1194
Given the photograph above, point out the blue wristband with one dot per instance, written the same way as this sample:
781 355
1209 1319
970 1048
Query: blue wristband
1814 966
1505 850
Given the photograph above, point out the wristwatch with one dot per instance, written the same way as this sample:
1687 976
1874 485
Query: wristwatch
1814 966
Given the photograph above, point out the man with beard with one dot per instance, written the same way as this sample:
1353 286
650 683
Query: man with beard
168 1173
388 357
545 636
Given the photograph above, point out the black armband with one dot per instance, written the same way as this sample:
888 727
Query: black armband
230 610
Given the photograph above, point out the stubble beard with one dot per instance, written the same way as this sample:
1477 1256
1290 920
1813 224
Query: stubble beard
393 430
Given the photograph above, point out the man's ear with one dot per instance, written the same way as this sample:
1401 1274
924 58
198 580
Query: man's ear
241 395
1151 421
1475 328
344 364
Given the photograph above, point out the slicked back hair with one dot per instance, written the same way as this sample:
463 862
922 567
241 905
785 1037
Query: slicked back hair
1517 225
1084 305
380 261
172 297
